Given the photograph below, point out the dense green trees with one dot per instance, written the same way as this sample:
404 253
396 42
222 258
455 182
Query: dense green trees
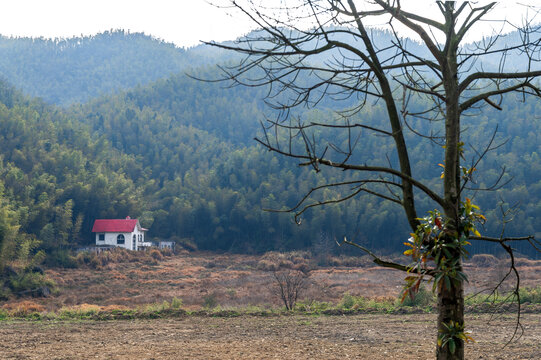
55 177
179 154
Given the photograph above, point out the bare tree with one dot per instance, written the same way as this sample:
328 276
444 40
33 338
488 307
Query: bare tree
330 43
290 284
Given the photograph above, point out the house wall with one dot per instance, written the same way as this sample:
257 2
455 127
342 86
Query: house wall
167 244
137 233
110 239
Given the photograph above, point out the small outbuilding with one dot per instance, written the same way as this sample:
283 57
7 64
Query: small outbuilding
164 244
126 233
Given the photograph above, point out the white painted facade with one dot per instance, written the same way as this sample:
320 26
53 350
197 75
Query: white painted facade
167 245
134 240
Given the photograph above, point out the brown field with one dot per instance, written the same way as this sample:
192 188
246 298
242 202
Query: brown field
283 337
241 280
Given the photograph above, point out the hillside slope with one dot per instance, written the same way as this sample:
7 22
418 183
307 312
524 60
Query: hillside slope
179 154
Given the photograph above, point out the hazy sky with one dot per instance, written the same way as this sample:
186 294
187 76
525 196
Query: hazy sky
183 22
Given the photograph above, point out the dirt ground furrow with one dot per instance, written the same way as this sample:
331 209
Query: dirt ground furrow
286 337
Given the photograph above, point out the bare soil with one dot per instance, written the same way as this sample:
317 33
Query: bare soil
281 337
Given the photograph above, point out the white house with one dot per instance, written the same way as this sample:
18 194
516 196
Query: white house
126 233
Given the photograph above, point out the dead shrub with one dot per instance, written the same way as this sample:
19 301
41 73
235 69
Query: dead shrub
23 308
350 261
101 260
300 254
156 254
484 260
521 261
273 256
115 307
303 267
267 265
284 263
182 252
118 276
384 299
167 252
87 307
299 260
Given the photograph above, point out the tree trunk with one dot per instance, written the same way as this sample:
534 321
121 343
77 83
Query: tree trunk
451 293
450 308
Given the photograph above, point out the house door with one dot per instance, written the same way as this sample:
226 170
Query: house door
134 243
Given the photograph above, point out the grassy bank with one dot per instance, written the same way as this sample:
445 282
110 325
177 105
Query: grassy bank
424 302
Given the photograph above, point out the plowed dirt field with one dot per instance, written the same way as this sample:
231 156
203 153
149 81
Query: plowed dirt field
282 337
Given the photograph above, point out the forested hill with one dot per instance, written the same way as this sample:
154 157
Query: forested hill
66 71
194 141
203 176
54 177
179 154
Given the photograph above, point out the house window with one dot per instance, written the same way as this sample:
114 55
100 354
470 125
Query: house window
120 239
101 237
140 238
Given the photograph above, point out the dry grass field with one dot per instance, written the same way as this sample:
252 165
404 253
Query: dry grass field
240 280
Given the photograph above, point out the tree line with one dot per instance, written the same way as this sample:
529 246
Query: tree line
178 154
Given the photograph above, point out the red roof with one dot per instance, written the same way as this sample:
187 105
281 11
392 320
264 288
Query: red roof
114 225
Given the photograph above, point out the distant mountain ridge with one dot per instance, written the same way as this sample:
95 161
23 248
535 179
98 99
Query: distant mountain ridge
75 70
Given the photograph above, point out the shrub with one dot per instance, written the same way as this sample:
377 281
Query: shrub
350 302
523 261
83 258
312 306
155 308
4 292
30 283
347 302
61 258
530 295
176 303
83 311
422 298
210 300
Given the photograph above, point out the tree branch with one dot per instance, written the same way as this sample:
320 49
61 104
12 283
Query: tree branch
496 75
387 264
